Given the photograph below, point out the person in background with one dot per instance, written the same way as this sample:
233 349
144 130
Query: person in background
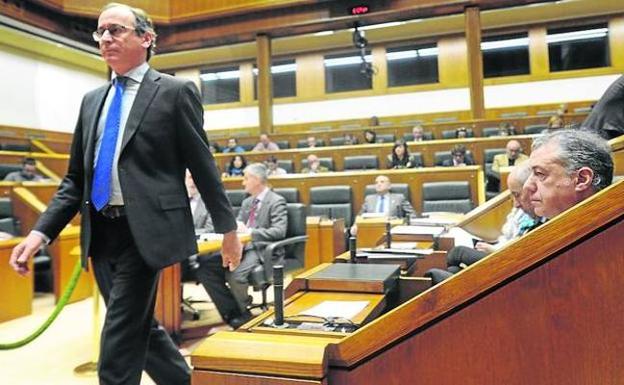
314 166
374 121
265 144
370 137
28 173
311 141
273 167
513 156
214 148
461 132
419 133
350 140
607 115
506 129
236 167
400 157
556 121
384 202
233 146
458 157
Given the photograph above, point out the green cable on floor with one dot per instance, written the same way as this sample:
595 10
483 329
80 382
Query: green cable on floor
59 306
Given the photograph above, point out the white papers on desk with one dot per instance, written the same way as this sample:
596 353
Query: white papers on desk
433 221
340 309
418 230
207 237
462 237
373 215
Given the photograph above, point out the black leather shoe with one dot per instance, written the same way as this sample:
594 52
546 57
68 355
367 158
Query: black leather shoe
237 322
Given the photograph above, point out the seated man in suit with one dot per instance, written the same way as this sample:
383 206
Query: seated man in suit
384 203
265 144
263 214
201 218
314 166
513 155
458 157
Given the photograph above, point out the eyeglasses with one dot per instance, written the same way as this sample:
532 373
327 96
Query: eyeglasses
115 30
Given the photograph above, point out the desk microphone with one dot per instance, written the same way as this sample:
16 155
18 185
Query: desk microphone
278 291
388 235
352 248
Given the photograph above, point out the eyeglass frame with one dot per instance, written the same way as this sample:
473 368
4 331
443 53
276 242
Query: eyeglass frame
97 36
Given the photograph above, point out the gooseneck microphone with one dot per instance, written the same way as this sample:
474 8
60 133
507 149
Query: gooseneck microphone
352 249
388 235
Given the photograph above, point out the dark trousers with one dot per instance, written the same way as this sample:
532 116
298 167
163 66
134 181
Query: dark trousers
456 256
131 339
231 300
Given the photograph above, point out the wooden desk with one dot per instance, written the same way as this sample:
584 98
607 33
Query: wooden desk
370 231
325 240
16 292
168 308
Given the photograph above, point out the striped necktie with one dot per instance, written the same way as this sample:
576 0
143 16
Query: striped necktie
102 174
251 221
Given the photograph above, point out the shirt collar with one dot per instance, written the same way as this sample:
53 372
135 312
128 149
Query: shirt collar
260 197
137 73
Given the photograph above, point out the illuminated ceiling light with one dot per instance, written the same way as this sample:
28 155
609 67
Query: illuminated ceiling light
343 61
323 33
212 76
577 35
502 44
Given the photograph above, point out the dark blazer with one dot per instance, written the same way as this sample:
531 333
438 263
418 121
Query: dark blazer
201 219
399 206
271 222
607 116
163 136
449 162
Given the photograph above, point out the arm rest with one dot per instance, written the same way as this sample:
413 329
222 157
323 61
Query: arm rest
267 259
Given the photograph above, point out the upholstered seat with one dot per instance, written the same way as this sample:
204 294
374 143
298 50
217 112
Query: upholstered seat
490 131
397 188
303 143
535 129
5 169
361 162
326 162
447 196
427 135
385 138
440 156
452 134
291 194
332 201
286 164
282 144
236 198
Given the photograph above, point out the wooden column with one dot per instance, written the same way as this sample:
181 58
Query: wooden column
265 86
475 62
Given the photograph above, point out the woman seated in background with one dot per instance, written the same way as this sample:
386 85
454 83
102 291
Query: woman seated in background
236 166
506 129
370 137
400 157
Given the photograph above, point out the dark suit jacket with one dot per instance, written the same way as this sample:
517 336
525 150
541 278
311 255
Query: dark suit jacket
271 222
449 162
399 206
607 116
163 136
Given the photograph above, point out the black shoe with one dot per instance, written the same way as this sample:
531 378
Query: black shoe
237 322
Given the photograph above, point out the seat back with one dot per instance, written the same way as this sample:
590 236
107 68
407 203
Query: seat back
490 131
447 196
327 162
295 254
6 210
332 201
5 169
361 162
291 194
385 138
441 156
396 188
282 144
488 156
427 135
248 146
451 134
535 129
16 147
303 143
286 164
236 198
10 225
338 141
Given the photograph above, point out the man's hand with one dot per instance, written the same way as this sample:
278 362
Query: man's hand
485 247
231 250
23 251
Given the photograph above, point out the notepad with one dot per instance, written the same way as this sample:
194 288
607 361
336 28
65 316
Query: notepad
340 309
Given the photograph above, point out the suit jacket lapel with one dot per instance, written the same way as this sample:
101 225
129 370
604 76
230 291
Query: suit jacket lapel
88 137
145 95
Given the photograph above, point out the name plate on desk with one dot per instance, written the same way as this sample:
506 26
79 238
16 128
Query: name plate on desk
361 278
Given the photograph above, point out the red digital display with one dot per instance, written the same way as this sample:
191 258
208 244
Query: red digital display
360 10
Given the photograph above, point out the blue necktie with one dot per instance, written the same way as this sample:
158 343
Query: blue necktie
380 204
102 174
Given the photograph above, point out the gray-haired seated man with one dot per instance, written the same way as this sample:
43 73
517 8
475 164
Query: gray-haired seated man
263 214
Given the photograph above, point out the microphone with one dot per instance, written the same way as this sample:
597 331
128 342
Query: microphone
352 248
278 291
388 235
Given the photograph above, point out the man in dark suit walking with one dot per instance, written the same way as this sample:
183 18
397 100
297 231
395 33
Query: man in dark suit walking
133 141
264 215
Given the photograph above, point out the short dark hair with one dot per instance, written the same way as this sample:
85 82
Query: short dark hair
29 161
458 149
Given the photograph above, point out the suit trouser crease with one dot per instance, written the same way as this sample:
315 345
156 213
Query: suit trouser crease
132 340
